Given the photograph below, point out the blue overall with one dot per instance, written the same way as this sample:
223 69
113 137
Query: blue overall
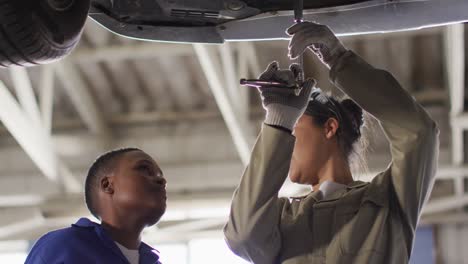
84 242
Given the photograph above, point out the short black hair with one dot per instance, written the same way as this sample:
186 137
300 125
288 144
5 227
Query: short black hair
100 167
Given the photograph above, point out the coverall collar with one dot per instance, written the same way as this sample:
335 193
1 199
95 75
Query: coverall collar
147 253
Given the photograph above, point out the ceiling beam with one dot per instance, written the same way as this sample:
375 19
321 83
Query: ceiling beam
212 70
37 145
129 51
21 200
238 95
230 73
28 118
46 90
252 58
25 93
243 70
17 220
82 99
67 179
454 42
180 91
444 218
191 225
445 204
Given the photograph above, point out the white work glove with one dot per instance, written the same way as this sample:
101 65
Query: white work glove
319 38
283 107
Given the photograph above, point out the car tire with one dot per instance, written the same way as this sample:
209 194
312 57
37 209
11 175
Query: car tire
35 32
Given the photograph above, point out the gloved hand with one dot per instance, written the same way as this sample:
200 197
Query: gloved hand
319 38
283 107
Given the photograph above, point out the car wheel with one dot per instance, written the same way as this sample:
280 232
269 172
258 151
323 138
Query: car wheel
39 31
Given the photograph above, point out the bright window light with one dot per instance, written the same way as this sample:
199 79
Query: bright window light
211 251
173 253
13 258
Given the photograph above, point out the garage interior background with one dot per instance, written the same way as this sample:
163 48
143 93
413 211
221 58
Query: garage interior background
182 105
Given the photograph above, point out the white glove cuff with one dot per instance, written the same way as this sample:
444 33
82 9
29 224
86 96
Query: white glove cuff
282 115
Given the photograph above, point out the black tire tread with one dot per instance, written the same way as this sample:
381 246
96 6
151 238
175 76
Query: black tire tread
23 43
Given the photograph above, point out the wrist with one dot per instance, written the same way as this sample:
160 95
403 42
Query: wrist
282 116
337 53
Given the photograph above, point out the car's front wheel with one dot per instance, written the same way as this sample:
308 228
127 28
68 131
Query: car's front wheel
39 31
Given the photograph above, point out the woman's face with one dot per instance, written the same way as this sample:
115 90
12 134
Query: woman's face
311 151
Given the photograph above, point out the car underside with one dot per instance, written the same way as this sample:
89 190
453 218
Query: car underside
193 13
216 21
39 31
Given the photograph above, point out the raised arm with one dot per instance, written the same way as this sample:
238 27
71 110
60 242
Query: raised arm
413 135
252 231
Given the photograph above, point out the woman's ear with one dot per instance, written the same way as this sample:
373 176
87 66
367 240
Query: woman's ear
106 185
331 127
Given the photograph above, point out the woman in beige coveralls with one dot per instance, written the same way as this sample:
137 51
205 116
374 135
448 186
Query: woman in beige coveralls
342 220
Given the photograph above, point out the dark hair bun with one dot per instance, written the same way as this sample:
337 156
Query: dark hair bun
354 111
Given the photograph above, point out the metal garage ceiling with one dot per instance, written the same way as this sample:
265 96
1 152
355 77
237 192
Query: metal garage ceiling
181 104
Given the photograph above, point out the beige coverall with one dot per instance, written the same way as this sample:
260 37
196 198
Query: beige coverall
365 223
